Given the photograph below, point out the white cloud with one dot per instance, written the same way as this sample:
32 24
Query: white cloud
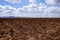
7 10
32 1
31 10
52 11
13 1
53 2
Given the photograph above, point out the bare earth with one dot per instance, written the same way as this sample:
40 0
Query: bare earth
30 29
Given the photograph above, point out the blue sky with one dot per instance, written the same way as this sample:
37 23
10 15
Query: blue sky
20 4
30 8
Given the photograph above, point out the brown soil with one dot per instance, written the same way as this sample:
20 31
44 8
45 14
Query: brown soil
30 29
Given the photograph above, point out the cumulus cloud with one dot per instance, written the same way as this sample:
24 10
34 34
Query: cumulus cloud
52 11
6 10
32 1
13 1
53 2
31 10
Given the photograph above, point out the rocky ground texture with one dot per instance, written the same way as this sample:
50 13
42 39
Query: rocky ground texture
29 29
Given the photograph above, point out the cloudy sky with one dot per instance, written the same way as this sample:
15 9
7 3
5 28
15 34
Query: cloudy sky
30 8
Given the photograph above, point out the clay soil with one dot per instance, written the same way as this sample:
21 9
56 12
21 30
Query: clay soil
30 29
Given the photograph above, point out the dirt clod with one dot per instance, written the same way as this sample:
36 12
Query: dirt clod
30 29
